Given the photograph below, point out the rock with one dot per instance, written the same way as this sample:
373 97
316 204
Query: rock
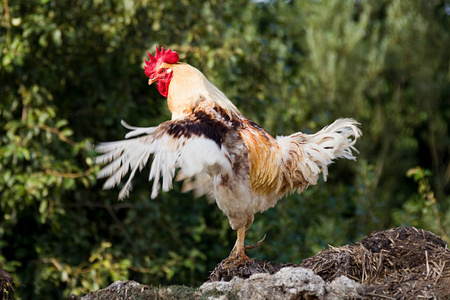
342 287
288 283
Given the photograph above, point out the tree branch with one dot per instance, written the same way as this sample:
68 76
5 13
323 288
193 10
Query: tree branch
69 175
60 135
7 25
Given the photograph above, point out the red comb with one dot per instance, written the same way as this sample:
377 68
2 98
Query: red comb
169 56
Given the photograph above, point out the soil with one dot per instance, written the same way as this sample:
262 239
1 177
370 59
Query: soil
400 263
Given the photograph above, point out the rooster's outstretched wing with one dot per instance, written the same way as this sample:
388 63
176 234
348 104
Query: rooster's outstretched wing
192 144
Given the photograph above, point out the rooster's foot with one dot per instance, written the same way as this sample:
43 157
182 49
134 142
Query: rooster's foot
236 260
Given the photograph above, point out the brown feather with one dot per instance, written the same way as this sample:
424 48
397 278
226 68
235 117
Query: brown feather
263 152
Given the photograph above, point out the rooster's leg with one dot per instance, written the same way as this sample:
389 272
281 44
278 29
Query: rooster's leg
237 256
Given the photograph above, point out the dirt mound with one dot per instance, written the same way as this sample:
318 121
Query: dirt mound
245 271
401 263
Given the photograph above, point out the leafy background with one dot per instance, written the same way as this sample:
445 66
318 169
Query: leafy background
70 70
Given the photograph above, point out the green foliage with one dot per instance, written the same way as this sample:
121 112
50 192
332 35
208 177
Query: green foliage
423 209
70 70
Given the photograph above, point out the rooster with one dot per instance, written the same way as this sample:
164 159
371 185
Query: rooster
220 153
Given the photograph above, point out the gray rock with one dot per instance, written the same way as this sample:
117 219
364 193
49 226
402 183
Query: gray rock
288 283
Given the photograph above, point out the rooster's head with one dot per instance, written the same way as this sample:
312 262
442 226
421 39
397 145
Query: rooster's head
158 70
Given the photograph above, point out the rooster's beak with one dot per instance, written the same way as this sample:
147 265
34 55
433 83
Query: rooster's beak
151 80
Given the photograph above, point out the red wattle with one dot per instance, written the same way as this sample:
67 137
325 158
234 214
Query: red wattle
162 88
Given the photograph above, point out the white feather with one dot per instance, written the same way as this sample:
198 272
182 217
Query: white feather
193 155
136 131
314 152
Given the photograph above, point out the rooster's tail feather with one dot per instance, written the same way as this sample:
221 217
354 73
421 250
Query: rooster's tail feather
335 141
308 155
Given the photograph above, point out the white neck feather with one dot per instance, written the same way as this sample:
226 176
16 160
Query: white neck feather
189 86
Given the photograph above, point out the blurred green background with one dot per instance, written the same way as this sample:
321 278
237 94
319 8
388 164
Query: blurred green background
71 70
